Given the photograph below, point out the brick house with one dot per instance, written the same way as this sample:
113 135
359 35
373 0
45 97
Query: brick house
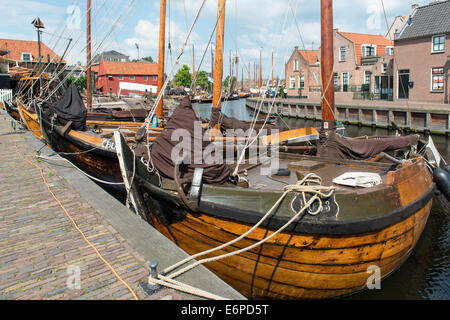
302 73
363 61
422 54
26 53
126 78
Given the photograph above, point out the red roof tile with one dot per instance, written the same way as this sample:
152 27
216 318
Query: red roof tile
17 47
312 56
360 38
127 68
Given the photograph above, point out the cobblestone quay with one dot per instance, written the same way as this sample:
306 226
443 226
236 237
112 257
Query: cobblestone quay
41 251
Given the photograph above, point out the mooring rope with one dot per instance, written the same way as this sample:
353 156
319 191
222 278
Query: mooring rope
310 184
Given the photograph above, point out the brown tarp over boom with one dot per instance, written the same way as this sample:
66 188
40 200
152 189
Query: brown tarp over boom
161 151
339 147
233 123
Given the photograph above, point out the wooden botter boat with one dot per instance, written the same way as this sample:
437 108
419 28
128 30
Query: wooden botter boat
320 256
327 251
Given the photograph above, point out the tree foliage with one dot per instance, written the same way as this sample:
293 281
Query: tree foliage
202 80
81 82
226 83
183 77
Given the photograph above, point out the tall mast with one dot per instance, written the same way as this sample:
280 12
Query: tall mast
272 69
248 83
260 65
236 64
162 43
88 58
193 70
327 61
218 64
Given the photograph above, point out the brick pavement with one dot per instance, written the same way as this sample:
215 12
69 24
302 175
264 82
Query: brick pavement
38 243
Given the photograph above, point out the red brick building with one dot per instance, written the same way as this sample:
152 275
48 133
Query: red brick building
126 78
422 53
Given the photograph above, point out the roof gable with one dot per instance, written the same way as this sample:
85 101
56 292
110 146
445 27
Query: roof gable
428 20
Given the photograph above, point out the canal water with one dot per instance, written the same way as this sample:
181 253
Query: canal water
426 273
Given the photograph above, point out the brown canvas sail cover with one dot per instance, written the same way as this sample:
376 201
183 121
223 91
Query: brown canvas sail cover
232 123
161 151
333 145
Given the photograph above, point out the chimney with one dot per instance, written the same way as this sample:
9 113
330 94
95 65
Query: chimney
414 6
296 48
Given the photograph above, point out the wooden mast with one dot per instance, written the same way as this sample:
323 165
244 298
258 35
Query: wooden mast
88 58
326 64
193 71
162 43
272 69
259 69
218 64
248 76
236 64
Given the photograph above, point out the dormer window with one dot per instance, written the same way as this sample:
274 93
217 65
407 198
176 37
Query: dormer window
438 44
369 50
26 56
390 50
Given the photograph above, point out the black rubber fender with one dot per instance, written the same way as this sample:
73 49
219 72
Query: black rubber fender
447 168
442 179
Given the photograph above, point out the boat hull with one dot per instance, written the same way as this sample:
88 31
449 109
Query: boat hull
310 261
30 120
86 153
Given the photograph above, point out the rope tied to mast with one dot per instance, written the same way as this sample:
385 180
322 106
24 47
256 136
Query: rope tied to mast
310 184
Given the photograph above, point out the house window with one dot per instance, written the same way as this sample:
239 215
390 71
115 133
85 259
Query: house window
342 53
345 81
336 79
145 78
131 77
295 65
26 56
367 75
438 44
437 79
292 83
390 51
120 77
301 82
369 50
154 78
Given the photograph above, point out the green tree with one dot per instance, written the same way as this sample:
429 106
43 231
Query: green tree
80 82
149 59
183 77
226 84
203 81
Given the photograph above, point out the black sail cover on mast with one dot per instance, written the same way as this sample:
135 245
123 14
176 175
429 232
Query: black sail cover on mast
184 120
70 108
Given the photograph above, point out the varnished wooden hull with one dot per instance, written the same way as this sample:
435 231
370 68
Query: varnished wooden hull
30 120
85 152
315 261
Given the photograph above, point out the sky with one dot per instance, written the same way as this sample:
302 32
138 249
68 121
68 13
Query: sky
251 27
